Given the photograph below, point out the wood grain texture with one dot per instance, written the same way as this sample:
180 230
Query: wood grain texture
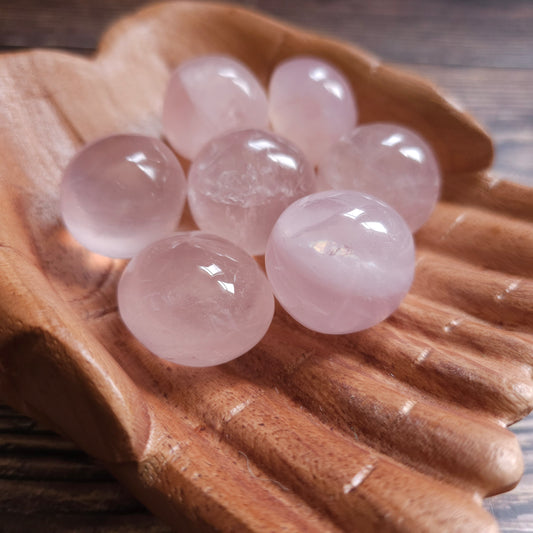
478 51
484 33
398 402
515 508
78 494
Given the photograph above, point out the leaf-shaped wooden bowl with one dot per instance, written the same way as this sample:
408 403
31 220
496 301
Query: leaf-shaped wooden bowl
398 428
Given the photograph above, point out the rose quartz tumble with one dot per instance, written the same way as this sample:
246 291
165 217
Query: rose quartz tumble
340 261
390 162
195 299
241 182
311 103
122 192
208 96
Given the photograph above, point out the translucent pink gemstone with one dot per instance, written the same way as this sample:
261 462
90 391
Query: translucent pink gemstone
242 181
311 103
122 192
390 162
208 96
195 299
340 261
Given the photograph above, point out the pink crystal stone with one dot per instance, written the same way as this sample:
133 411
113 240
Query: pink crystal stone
122 192
311 103
340 261
208 96
242 181
390 162
195 299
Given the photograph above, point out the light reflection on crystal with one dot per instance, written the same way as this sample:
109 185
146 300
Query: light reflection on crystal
237 80
212 269
393 140
229 287
284 160
311 103
242 181
332 274
185 316
413 153
354 213
208 96
389 162
374 226
122 192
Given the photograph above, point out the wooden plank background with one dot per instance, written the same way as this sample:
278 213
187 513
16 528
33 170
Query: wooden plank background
479 52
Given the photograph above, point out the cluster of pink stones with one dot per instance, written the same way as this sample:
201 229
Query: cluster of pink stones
331 205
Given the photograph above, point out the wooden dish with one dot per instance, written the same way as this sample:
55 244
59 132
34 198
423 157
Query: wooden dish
398 428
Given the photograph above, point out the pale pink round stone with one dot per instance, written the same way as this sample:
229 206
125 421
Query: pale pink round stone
122 192
340 261
208 96
390 162
311 103
195 299
241 182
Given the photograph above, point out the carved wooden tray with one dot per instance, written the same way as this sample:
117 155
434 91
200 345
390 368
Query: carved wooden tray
398 428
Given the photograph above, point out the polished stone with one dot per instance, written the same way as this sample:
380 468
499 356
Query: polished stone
208 96
122 192
195 299
311 103
340 261
390 162
242 181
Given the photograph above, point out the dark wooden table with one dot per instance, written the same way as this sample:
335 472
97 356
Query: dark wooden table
479 52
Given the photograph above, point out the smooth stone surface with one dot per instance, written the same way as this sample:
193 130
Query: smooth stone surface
241 182
311 103
208 96
122 192
390 162
195 299
340 261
